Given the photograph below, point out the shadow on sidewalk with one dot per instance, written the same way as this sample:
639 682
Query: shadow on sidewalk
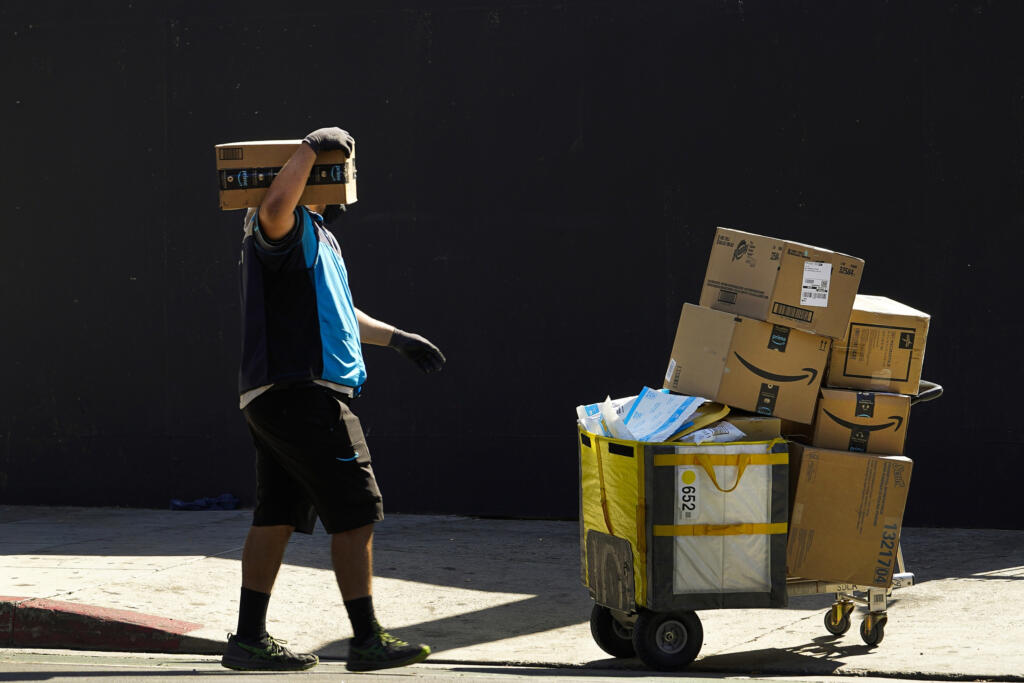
808 660
537 562
508 620
982 554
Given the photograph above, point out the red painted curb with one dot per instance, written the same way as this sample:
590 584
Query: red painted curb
27 622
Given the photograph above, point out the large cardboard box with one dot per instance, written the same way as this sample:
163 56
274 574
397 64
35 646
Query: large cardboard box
862 421
788 283
883 348
847 513
246 169
748 364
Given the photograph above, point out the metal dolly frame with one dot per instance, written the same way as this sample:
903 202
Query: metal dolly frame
669 642
837 619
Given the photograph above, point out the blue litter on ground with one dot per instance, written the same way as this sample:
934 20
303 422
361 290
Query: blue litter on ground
224 501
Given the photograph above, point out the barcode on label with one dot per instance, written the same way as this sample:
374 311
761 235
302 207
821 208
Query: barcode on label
726 297
787 311
230 153
816 283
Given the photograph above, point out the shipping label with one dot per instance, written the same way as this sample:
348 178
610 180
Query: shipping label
814 290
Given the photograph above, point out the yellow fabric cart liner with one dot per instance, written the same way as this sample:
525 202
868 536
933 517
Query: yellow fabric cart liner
722 551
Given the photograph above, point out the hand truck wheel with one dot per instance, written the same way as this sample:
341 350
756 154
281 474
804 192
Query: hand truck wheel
872 629
609 634
667 641
837 619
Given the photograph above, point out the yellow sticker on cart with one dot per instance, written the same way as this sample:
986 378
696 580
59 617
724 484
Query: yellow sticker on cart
688 498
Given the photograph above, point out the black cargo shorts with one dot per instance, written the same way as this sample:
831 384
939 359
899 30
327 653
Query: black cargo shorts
311 460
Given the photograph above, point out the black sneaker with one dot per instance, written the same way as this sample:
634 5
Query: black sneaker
383 651
265 654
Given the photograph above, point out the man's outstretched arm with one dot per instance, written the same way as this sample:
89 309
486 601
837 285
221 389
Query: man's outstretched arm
277 212
373 331
420 351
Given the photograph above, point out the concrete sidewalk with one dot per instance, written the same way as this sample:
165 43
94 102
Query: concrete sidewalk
478 591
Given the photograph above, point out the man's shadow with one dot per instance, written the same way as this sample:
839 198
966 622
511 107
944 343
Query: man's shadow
541 569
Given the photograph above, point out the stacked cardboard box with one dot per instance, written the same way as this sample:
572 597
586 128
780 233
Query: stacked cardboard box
846 514
760 338
781 331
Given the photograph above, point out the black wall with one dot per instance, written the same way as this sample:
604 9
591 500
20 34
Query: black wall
539 184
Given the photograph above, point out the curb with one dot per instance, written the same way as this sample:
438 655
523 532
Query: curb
43 623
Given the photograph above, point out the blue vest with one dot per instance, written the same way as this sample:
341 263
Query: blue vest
298 321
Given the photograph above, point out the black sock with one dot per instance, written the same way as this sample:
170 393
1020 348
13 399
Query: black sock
360 613
252 614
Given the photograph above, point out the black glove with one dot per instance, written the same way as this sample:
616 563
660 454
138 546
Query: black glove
324 139
417 349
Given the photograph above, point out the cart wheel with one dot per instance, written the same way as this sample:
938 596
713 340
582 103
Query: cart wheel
609 634
667 641
872 631
837 628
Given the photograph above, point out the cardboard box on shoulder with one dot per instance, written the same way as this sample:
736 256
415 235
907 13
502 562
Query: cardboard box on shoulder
882 349
846 515
862 421
788 283
748 364
246 169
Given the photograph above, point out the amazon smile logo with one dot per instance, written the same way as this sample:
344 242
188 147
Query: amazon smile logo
897 421
812 374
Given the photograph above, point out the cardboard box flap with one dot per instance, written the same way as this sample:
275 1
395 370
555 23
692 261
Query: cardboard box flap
873 303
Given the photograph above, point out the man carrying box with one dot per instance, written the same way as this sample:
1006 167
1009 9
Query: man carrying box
302 365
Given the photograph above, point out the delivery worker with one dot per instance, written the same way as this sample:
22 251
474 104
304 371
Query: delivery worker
301 367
